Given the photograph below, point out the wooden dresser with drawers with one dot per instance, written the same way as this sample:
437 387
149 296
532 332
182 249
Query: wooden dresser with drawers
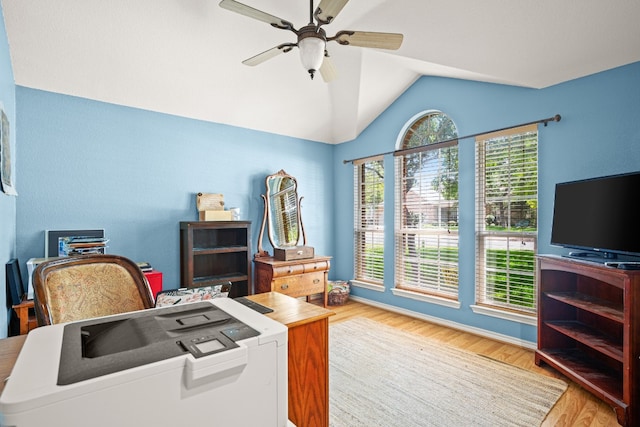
296 278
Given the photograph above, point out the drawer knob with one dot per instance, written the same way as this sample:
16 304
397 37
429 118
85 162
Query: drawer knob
284 286
316 281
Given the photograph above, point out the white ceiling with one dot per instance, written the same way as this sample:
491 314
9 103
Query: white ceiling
183 57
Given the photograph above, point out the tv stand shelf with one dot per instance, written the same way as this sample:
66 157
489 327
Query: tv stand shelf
586 302
588 327
588 370
589 337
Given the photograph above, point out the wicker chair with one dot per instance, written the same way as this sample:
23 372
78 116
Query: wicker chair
82 287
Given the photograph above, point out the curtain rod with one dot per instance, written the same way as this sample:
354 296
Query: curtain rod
452 141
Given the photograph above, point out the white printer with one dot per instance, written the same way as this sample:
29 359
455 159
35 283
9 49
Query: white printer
213 363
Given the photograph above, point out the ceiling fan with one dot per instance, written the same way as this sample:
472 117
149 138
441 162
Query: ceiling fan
312 39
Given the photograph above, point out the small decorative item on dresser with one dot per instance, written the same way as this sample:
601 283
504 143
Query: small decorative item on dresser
292 253
338 292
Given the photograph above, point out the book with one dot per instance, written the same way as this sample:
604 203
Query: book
80 245
145 267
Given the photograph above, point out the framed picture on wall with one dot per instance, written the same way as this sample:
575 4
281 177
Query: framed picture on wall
5 155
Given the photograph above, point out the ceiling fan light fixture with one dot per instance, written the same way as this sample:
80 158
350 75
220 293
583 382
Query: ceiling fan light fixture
311 53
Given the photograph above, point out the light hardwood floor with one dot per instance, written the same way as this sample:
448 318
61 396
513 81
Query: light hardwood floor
576 407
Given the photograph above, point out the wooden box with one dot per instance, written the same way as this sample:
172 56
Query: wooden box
296 252
215 215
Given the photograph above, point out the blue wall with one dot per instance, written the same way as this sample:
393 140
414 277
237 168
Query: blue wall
7 203
87 164
599 134
135 173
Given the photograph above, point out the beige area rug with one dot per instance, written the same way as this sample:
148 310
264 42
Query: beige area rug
382 376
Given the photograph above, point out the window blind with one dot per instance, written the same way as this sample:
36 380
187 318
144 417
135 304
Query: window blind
506 219
369 221
426 230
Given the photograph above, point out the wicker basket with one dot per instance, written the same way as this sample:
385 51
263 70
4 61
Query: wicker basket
338 292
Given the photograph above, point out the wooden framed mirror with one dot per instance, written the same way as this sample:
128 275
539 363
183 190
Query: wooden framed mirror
281 216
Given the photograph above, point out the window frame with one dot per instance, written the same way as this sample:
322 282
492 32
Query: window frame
516 268
369 230
434 269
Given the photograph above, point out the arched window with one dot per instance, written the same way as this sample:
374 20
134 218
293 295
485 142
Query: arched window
426 206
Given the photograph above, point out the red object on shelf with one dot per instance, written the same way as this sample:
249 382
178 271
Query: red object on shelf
155 281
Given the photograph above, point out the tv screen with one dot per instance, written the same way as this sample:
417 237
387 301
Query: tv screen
598 214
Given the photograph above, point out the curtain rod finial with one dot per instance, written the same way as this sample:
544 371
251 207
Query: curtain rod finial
555 118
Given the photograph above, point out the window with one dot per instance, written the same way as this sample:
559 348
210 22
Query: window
426 208
369 221
507 219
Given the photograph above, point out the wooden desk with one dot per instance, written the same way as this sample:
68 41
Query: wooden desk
9 349
308 342
27 320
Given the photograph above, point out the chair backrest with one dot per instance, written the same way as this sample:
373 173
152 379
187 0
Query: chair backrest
86 286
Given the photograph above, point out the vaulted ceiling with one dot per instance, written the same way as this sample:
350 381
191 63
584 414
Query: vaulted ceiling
183 57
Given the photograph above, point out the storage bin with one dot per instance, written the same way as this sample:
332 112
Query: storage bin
338 292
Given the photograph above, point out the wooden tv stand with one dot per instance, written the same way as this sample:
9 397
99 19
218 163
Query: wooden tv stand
589 329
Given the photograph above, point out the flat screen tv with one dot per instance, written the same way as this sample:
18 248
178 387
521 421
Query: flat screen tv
598 215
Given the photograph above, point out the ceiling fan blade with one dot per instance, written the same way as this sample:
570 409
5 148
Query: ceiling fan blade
327 69
390 41
245 10
327 10
268 54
